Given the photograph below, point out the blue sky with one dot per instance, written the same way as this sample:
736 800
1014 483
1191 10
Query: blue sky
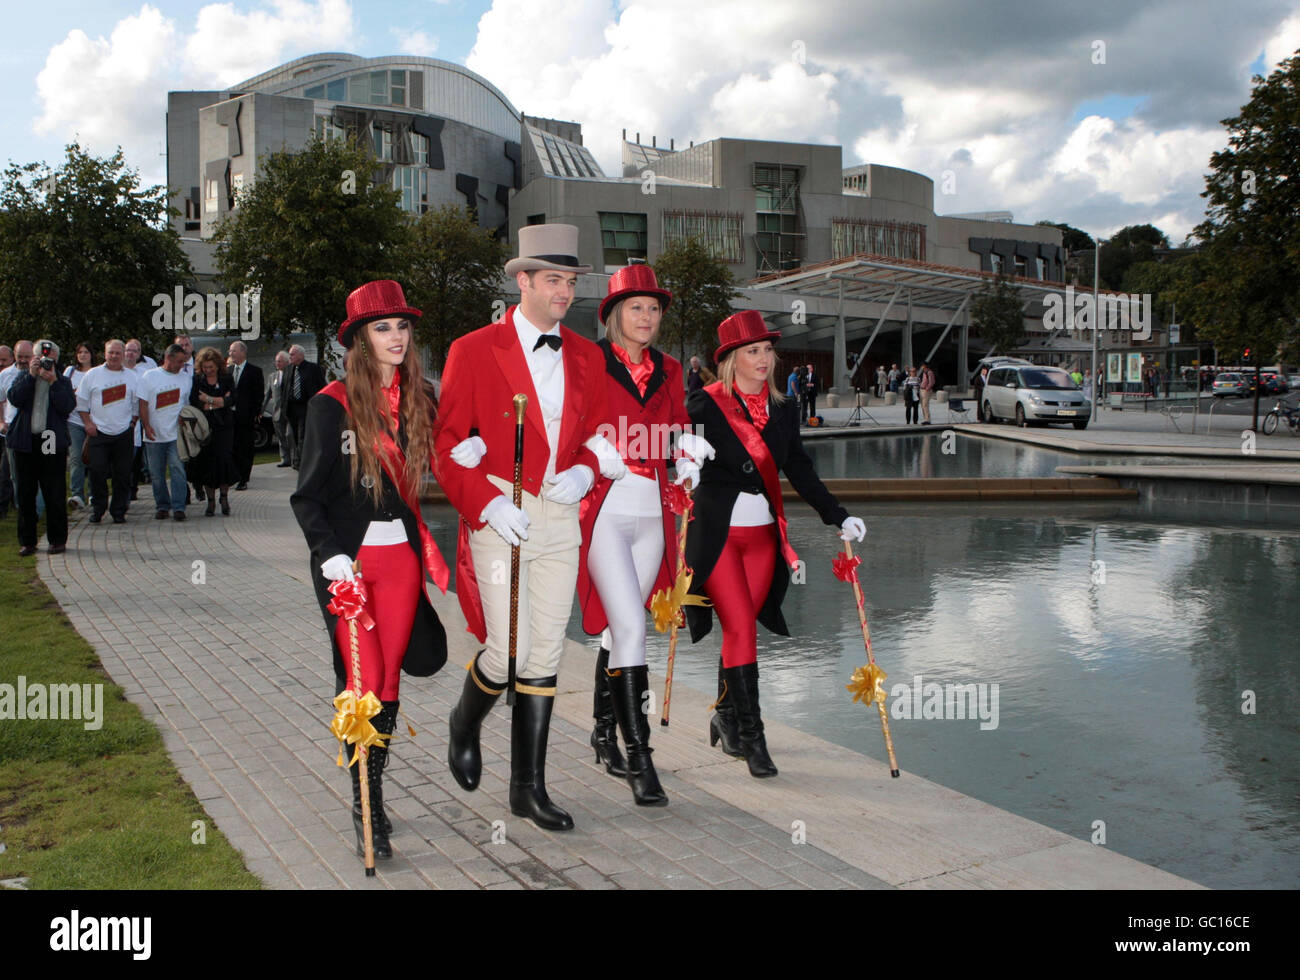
1011 98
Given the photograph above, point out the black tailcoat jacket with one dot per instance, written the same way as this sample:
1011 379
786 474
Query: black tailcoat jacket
334 522
729 473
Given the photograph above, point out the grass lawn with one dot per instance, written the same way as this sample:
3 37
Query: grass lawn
90 809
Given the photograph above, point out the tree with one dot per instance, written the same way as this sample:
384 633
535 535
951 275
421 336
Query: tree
313 227
1073 239
997 314
702 288
83 251
452 270
1244 290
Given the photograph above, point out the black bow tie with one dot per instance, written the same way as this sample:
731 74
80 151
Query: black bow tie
551 340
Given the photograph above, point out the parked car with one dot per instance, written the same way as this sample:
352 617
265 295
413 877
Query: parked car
1230 383
1293 381
264 434
1033 393
1274 384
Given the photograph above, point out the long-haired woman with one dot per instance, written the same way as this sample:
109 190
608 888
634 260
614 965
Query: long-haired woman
78 490
737 544
366 450
214 393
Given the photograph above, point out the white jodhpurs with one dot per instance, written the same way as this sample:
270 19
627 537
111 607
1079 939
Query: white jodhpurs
623 560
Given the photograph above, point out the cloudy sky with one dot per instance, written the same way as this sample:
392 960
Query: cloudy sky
1101 114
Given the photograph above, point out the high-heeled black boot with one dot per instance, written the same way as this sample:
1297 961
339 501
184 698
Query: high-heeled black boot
723 723
464 757
529 726
627 687
604 737
742 686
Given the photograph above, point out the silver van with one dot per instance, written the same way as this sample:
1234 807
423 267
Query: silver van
1034 393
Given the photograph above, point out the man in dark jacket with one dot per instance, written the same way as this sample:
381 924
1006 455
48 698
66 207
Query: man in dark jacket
250 391
303 379
39 440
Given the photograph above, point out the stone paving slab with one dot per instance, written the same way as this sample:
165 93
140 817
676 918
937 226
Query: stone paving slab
216 617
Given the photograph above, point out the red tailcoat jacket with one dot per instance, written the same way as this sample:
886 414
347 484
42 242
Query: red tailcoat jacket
485 370
641 423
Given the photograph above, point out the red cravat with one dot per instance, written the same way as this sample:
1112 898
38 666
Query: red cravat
757 405
394 395
640 371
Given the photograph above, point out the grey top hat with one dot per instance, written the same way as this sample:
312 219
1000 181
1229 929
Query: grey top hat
547 247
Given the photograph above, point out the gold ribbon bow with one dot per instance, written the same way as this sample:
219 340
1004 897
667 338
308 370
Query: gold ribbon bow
868 684
352 722
666 604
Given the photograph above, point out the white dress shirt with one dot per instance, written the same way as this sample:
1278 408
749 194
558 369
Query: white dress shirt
547 368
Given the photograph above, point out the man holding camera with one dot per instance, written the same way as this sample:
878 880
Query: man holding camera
106 401
38 437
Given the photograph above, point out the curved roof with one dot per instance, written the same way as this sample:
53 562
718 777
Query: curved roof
452 91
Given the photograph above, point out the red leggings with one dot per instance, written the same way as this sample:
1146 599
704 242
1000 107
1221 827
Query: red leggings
392 576
738 585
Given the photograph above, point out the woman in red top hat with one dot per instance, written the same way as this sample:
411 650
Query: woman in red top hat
366 448
737 544
628 531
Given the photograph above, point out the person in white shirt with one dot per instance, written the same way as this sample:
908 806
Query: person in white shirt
163 392
139 362
78 490
106 402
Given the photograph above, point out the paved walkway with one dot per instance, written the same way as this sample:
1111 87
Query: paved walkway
212 628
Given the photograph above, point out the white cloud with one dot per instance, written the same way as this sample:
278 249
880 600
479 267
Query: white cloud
415 42
229 45
1283 44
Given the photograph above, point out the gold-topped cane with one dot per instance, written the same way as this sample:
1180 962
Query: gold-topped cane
521 407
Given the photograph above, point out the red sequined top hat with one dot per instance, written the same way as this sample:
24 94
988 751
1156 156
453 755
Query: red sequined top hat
376 300
633 280
739 329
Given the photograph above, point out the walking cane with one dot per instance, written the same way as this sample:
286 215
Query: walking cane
521 407
355 709
666 605
868 682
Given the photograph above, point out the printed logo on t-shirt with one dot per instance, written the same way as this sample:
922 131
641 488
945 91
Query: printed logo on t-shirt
114 394
171 397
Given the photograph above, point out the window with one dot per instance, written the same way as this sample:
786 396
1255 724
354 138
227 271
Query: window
535 219
337 90
723 233
897 239
397 87
379 88
420 149
210 196
1020 265
1040 266
315 92
327 129
383 144
358 89
622 237
413 183
995 261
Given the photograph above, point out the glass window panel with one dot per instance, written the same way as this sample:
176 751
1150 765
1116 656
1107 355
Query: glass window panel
337 90
397 77
315 92
398 96
379 87
358 89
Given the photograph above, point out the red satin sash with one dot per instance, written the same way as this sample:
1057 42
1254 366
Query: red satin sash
393 462
759 452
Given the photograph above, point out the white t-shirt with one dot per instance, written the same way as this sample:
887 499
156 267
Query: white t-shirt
109 397
74 376
7 377
165 394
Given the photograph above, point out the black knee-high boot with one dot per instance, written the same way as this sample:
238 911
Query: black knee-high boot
742 685
464 757
376 759
628 686
604 738
530 724
723 724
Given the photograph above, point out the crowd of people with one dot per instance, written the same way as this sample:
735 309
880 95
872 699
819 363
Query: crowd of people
88 435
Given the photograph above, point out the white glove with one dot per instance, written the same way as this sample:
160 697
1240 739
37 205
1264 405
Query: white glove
687 469
571 485
338 568
853 529
469 452
506 519
696 447
612 466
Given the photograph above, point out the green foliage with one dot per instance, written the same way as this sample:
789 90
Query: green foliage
702 288
997 314
452 271
306 234
83 251
1072 238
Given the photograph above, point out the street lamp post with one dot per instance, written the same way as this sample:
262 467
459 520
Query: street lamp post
1096 311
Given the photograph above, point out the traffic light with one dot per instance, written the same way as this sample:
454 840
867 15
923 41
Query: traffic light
1246 354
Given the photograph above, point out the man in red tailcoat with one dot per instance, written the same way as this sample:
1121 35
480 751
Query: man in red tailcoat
531 352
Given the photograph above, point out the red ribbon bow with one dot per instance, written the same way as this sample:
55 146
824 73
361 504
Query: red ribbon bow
846 570
676 498
349 601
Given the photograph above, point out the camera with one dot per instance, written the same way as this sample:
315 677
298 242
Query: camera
47 362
